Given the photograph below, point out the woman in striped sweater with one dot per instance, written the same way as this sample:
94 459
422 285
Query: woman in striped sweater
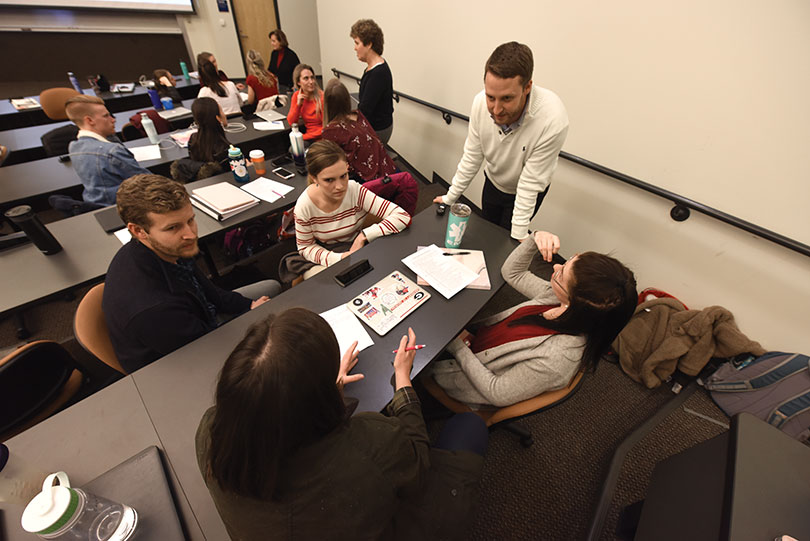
329 215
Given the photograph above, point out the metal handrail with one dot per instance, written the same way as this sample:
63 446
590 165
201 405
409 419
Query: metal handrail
679 212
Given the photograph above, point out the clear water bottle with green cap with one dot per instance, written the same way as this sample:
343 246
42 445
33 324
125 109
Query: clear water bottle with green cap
238 164
66 513
149 128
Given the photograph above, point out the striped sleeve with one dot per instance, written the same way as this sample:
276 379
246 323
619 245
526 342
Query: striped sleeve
394 219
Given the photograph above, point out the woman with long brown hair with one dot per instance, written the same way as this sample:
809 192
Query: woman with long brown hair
351 130
539 345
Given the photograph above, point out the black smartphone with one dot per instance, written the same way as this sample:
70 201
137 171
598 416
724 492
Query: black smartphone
353 273
281 160
283 173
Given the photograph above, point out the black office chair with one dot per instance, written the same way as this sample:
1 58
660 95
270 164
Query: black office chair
56 142
36 380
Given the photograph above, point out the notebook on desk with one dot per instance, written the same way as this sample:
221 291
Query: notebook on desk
141 483
109 219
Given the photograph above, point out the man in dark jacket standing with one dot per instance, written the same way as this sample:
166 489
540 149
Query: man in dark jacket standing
155 298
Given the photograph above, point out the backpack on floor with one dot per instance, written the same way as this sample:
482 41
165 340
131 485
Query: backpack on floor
774 387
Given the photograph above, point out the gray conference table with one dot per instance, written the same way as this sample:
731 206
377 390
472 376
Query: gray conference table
11 118
25 144
177 389
30 276
88 439
25 181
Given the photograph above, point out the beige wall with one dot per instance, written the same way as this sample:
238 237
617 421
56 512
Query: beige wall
705 99
299 20
215 32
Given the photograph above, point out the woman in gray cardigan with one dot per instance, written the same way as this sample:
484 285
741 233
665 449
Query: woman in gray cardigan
539 345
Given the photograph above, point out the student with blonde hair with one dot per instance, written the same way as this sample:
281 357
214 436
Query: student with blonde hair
260 82
99 158
306 104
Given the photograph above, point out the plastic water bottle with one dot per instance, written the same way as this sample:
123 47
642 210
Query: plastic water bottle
238 165
75 82
184 69
66 513
297 145
149 128
19 481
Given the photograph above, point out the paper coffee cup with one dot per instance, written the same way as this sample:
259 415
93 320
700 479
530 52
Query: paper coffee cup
257 158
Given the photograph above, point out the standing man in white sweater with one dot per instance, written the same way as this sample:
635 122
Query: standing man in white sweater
518 131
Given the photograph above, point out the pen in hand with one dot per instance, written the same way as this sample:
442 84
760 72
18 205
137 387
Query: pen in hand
414 348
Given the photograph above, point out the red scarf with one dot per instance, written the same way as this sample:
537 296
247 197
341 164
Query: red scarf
502 333
279 57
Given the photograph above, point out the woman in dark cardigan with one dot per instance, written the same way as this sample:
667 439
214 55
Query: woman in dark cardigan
284 458
282 59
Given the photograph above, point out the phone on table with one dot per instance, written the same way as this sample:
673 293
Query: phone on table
283 173
353 273
281 160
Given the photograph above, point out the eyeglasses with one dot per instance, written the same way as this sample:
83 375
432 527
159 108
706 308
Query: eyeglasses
555 275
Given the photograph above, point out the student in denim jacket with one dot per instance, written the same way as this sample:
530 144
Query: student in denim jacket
100 159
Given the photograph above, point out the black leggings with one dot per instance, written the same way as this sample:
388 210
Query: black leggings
497 206
464 432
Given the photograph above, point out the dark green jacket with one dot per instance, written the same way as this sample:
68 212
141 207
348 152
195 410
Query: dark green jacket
375 478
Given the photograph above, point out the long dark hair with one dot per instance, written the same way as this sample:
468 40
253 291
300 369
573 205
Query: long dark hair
602 297
209 141
276 393
337 104
210 78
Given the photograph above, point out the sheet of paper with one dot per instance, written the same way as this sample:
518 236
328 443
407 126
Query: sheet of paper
143 154
268 126
266 189
123 235
445 274
244 96
347 328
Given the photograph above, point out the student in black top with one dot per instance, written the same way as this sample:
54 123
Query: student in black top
376 85
165 85
155 298
282 59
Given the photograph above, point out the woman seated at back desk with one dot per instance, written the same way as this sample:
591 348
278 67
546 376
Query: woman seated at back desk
367 157
260 82
224 93
165 84
539 345
329 215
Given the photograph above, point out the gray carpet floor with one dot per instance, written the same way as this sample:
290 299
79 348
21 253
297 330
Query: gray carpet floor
547 491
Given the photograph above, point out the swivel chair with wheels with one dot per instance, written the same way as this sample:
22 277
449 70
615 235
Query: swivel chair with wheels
505 417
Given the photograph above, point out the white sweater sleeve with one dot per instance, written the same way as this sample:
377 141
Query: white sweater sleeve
394 218
471 160
535 177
